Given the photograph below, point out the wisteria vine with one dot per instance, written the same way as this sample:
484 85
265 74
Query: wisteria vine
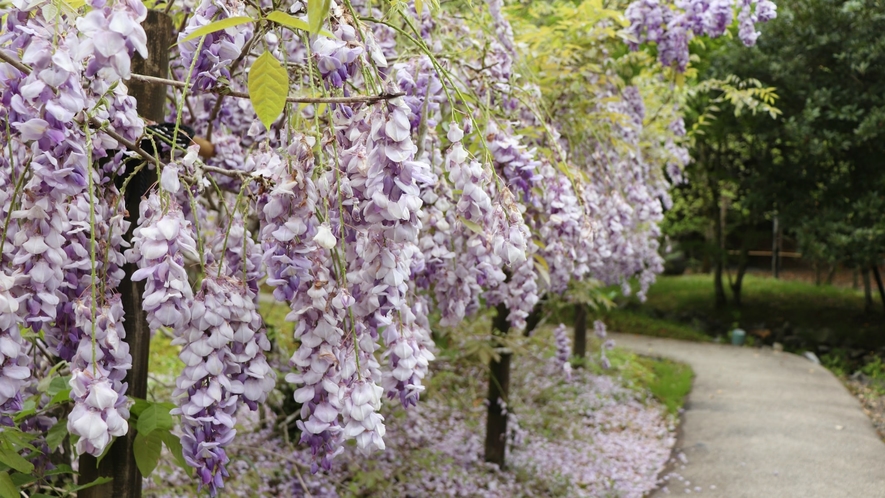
366 217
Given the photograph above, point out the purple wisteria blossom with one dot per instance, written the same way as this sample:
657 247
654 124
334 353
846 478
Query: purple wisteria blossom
563 350
14 361
336 57
222 341
671 27
159 244
97 372
211 64
599 329
460 275
110 35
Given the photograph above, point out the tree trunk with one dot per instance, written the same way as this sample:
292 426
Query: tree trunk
579 349
737 285
710 239
831 274
720 253
499 390
867 291
879 283
119 463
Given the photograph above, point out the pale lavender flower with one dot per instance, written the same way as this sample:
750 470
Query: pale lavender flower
599 329
563 350
111 35
97 372
159 244
222 344
15 364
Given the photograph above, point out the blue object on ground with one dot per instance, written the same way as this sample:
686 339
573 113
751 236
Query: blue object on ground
738 336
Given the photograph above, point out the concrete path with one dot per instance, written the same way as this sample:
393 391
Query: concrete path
759 423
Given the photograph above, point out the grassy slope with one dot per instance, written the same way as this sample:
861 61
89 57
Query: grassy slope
817 314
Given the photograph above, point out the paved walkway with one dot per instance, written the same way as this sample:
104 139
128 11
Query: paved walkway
764 424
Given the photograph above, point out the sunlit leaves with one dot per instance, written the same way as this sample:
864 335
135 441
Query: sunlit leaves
293 22
217 26
317 11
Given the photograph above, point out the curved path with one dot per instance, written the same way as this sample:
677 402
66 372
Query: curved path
760 423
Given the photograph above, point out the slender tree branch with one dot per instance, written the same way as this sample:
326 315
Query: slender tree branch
298 100
14 63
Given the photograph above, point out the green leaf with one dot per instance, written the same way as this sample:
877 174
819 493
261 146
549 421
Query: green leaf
173 444
293 22
543 268
60 397
317 10
56 435
147 451
8 489
419 7
97 482
217 26
473 226
14 438
268 88
287 20
15 461
139 406
58 384
60 469
20 479
155 417
28 408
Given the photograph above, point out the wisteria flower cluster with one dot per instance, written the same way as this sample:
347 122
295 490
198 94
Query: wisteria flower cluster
671 27
160 244
225 367
97 372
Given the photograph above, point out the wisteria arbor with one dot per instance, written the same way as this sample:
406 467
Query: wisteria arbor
381 169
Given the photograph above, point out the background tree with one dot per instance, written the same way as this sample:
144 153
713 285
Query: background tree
817 167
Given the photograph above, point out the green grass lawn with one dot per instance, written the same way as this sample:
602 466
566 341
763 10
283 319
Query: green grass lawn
802 314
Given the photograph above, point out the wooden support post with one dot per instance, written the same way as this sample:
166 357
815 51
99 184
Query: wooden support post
775 248
499 389
580 347
119 463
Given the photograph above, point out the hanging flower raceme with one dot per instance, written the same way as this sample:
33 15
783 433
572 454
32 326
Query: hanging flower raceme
97 372
388 235
56 155
513 161
295 246
110 36
287 217
14 360
336 57
159 244
63 336
563 350
212 55
673 26
462 260
561 230
222 346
